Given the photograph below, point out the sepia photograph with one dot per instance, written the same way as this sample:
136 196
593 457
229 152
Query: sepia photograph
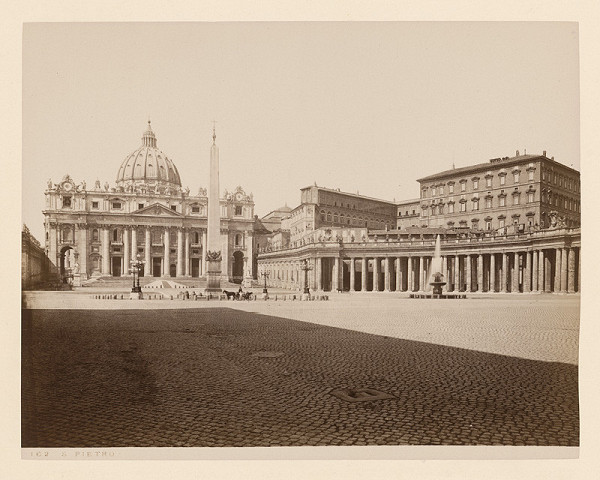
314 240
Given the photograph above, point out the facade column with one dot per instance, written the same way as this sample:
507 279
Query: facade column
420 273
503 276
375 274
386 274
514 274
352 274
147 253
335 284
179 268
563 271
469 273
570 270
134 242
492 272
364 274
456 274
445 273
527 272
105 251
203 259
167 252
126 251
186 253
534 272
557 266
480 273
409 275
398 263
318 274
541 273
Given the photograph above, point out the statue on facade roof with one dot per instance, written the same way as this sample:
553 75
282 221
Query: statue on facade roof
106 186
97 185
50 184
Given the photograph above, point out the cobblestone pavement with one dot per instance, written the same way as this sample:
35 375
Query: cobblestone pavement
227 377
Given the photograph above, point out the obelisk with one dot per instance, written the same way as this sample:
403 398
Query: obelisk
213 250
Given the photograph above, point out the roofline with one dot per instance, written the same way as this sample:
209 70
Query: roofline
488 165
356 195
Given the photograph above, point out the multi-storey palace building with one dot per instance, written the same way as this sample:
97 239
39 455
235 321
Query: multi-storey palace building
507 225
97 231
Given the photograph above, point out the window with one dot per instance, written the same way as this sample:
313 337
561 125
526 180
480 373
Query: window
174 208
95 205
488 225
450 208
116 205
476 204
475 184
502 179
502 201
140 206
501 223
156 237
195 209
66 202
488 182
441 189
440 209
115 235
95 235
516 199
451 188
433 191
463 186
488 202
463 207
530 196
238 210
530 175
516 177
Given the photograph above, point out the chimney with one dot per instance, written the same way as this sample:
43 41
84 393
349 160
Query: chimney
517 153
544 153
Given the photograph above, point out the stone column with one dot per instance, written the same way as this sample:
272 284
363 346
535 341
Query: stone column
204 249
527 272
167 253
514 274
492 272
179 267
445 273
534 272
541 273
409 275
420 273
563 271
456 274
126 251
352 274
570 270
557 268
375 274
364 274
147 253
105 251
335 280
503 276
480 272
134 242
386 274
318 274
398 263
186 253
469 273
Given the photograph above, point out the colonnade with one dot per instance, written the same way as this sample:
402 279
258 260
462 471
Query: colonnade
554 270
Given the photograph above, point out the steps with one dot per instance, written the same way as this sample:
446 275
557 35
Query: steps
126 282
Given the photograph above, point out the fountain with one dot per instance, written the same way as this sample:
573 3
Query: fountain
436 278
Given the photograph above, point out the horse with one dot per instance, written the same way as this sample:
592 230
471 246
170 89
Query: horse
230 295
246 296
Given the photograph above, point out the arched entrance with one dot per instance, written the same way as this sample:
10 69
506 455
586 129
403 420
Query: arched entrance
67 263
237 270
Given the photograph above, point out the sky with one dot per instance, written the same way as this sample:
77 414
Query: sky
363 107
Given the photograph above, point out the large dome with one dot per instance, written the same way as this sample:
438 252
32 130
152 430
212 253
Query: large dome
148 165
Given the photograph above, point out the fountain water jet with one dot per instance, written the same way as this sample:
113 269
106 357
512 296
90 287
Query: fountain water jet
436 277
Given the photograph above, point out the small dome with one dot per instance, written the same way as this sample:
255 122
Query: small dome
148 165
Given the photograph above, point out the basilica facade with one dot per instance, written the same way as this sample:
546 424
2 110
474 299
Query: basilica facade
145 215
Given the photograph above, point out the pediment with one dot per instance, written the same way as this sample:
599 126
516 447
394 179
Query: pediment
157 209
